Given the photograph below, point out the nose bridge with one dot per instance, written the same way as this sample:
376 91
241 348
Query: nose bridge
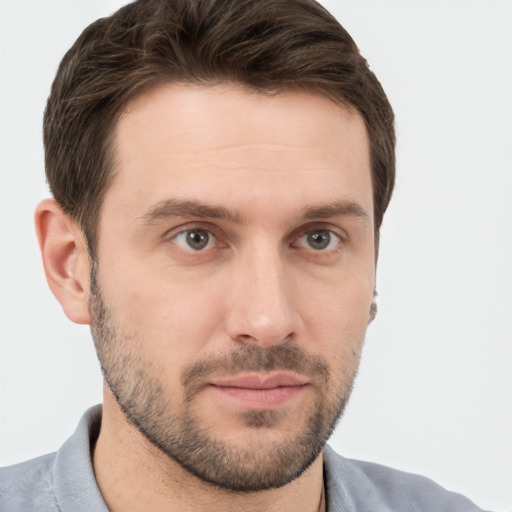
262 306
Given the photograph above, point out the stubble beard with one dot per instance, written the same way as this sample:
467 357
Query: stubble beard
181 435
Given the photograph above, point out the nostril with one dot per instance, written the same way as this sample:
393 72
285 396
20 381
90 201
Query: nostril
245 338
264 340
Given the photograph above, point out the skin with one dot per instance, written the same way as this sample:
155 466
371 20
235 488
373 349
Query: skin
259 282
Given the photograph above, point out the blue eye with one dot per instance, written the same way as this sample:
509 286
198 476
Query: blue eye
194 239
319 240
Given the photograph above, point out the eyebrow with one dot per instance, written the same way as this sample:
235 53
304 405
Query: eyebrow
188 208
335 209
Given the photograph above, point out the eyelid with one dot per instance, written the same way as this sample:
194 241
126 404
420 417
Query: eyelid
218 234
214 243
190 226
210 241
334 240
316 226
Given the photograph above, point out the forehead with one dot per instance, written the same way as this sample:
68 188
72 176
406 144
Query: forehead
229 115
211 141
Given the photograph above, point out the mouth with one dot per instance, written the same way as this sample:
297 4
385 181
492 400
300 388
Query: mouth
260 391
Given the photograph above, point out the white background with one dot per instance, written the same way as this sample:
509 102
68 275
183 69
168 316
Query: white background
435 386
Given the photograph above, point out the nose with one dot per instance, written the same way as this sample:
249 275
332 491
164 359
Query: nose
262 306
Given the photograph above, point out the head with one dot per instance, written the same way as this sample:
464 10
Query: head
221 169
268 46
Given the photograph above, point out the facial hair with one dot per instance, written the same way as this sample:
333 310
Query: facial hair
184 437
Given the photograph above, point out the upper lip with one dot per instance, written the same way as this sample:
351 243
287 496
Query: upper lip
261 381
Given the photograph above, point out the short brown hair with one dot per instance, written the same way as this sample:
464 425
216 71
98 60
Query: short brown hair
266 45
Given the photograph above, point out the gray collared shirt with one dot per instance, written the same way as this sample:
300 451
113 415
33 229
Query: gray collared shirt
64 482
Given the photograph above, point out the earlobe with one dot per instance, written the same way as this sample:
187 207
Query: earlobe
65 259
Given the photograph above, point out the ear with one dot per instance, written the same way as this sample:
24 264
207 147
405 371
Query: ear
373 307
65 259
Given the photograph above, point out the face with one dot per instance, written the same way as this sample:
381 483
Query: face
234 276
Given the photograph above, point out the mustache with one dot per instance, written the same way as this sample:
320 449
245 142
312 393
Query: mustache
250 358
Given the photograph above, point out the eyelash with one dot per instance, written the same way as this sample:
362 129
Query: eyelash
325 232
197 230
295 237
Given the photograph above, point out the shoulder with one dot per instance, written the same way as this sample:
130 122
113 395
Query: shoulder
369 486
28 486
58 482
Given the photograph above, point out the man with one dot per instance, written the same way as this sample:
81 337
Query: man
220 171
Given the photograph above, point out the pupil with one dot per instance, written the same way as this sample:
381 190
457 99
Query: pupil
197 239
319 239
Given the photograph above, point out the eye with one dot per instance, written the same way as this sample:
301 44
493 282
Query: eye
319 240
194 239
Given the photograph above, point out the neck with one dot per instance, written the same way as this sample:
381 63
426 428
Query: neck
133 475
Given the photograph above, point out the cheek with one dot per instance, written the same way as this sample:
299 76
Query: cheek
173 321
337 317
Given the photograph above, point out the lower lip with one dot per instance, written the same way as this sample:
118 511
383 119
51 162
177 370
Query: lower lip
260 398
